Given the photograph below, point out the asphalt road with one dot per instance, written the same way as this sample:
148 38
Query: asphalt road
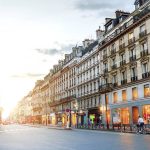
17 137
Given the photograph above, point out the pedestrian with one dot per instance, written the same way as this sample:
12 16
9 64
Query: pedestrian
140 124
89 122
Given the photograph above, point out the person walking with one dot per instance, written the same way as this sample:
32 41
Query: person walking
140 124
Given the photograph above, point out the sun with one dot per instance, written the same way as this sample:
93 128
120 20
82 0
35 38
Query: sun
5 114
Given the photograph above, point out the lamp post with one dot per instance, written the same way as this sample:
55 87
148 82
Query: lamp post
70 116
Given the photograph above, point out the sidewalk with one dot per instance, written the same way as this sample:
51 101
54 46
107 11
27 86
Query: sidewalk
48 126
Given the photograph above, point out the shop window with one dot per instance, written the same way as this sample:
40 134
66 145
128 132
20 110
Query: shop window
125 116
134 93
115 95
124 95
146 90
146 114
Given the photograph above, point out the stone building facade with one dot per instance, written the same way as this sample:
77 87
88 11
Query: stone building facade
106 80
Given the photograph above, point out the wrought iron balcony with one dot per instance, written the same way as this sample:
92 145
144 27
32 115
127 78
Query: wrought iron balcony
146 75
144 53
133 58
105 88
122 46
131 41
133 78
114 66
123 62
115 84
123 81
142 34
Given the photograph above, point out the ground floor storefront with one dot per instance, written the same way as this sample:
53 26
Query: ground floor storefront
129 115
37 119
61 118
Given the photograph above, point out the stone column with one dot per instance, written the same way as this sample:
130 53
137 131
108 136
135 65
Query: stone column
140 111
130 115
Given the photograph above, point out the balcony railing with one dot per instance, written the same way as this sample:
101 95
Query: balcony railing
131 41
144 53
123 81
115 84
114 66
133 58
146 75
133 78
123 62
142 34
122 46
113 51
105 88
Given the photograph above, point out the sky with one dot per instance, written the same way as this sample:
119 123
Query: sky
35 34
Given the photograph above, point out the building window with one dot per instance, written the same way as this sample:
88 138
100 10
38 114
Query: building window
124 95
97 69
107 100
105 52
95 101
121 41
145 67
133 72
109 27
142 28
114 79
94 85
134 93
115 95
146 90
123 75
105 81
131 36
87 88
105 66
113 47
144 46
122 57
132 52
113 61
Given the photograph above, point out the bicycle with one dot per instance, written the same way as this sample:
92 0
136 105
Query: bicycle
141 129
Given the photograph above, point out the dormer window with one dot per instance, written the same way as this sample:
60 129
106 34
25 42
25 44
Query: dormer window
109 27
139 3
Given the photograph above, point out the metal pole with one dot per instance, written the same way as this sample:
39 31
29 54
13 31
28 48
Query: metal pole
70 116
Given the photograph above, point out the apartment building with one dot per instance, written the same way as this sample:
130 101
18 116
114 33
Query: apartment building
36 102
44 88
88 82
107 78
125 66
62 84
